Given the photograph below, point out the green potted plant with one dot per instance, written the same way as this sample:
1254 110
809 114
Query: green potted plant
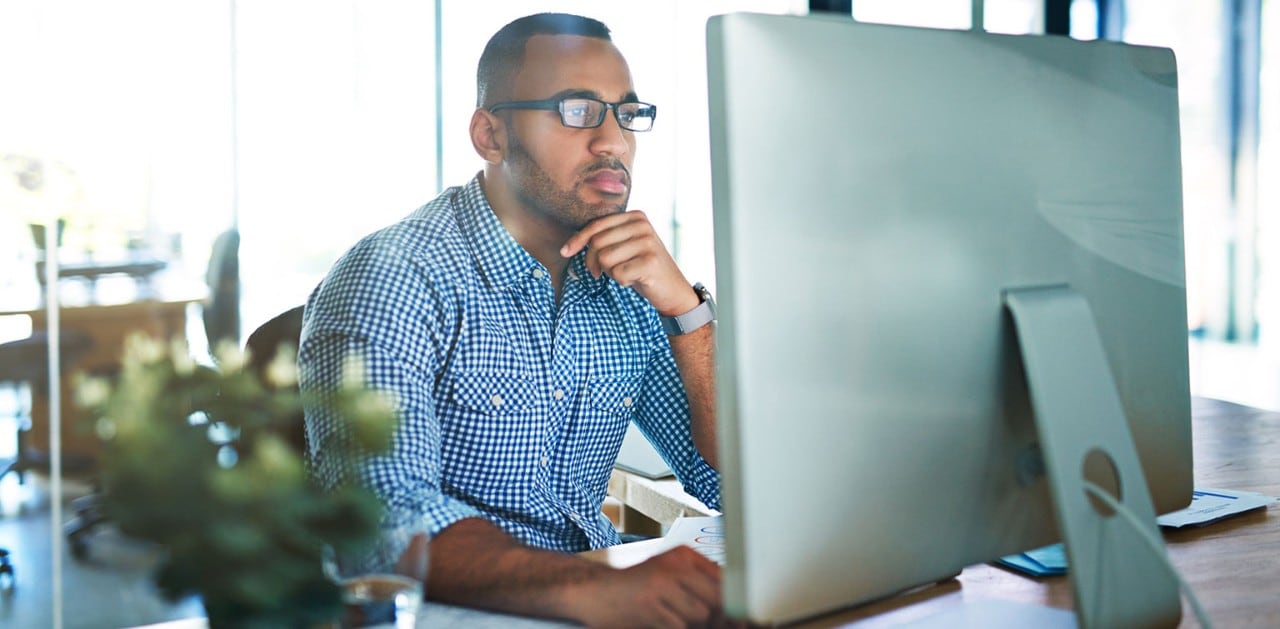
196 460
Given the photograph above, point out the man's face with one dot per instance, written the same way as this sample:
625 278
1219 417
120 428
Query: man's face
571 176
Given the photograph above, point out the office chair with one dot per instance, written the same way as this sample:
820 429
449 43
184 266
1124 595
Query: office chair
222 310
262 345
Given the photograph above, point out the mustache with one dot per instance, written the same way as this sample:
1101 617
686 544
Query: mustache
609 164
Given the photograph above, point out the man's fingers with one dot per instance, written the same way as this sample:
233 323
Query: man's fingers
598 259
706 591
707 567
579 240
612 259
626 247
669 616
703 578
699 594
689 609
690 596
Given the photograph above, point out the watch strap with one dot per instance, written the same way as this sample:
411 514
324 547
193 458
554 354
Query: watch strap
699 316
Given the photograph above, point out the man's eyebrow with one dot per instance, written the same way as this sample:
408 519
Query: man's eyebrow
580 93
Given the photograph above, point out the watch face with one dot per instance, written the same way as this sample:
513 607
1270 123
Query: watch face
703 293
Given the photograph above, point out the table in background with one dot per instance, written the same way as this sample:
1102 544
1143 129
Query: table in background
138 268
650 504
107 325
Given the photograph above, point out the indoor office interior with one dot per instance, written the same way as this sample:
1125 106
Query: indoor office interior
192 170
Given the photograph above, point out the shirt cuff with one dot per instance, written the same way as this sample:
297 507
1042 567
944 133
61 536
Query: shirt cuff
397 530
703 484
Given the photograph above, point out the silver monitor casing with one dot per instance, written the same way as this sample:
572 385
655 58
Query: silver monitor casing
876 190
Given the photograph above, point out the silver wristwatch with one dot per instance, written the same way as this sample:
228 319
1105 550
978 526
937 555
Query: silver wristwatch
701 314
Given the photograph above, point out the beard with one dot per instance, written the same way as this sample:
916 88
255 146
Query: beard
535 189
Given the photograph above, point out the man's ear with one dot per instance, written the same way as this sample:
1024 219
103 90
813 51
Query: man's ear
488 136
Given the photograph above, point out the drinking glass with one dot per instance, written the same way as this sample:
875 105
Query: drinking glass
390 596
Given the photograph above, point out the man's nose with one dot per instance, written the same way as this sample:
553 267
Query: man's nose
610 138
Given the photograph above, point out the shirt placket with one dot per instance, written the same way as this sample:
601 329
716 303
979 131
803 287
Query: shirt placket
542 297
565 394
558 386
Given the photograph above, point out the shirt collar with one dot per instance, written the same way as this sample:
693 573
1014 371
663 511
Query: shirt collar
577 271
501 260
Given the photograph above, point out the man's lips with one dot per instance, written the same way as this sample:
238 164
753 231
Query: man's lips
608 181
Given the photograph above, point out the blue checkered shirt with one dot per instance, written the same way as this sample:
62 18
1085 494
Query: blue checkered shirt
512 407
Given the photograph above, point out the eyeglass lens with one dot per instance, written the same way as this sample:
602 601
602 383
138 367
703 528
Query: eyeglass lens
587 113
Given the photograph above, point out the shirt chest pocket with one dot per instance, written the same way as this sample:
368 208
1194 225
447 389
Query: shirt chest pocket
616 396
494 394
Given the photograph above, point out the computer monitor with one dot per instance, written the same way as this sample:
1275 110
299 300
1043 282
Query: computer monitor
879 191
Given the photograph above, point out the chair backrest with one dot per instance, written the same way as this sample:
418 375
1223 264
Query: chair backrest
222 310
263 344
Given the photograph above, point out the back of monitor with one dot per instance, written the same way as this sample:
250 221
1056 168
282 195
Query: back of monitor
877 189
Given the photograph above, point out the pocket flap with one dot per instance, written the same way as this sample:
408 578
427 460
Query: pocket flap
494 393
614 394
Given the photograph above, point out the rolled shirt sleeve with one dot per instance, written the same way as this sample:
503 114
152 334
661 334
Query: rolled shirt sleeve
663 418
357 319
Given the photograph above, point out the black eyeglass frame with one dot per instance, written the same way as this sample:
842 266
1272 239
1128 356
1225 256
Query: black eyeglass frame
557 105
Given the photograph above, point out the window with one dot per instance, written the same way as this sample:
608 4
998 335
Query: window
1015 17
1195 31
955 14
1269 186
335 135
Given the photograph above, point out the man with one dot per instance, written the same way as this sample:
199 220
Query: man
518 321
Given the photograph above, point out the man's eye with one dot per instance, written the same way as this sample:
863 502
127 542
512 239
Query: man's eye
578 111
627 116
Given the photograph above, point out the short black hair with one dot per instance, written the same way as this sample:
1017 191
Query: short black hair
504 53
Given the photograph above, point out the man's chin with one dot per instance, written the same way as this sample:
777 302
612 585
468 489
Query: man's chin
592 211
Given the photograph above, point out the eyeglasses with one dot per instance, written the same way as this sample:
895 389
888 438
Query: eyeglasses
588 113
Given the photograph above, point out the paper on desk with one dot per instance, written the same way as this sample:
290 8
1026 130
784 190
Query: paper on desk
1207 505
704 533
1042 562
1210 505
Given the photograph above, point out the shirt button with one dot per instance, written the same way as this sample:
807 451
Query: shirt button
496 399
558 394
574 517
626 401
537 274
572 275
545 461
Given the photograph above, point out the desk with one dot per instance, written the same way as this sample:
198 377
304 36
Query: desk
107 326
1233 566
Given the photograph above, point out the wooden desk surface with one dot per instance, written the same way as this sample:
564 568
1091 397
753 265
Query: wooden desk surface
1233 566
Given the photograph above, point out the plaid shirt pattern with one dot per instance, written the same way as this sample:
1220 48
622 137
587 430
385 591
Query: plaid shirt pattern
512 407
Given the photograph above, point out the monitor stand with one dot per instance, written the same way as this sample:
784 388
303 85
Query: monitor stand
1118 579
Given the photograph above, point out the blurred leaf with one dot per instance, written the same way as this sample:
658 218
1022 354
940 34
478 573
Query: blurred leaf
245 532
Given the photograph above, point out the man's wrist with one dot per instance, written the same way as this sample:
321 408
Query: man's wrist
577 597
687 303
701 314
